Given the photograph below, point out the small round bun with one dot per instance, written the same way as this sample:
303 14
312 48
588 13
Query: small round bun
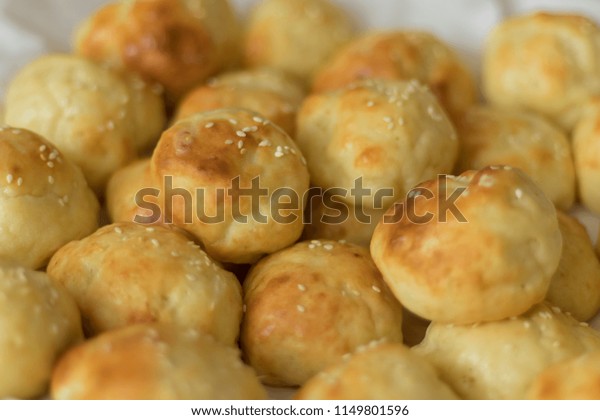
41 191
500 360
269 92
131 196
98 118
38 320
575 287
524 140
296 36
176 43
128 273
577 378
208 155
402 55
586 151
388 134
378 372
487 255
327 217
154 362
310 304
549 63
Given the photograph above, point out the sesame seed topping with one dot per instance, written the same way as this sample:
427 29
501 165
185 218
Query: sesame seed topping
518 193
370 104
300 308
264 143
155 242
150 229
42 148
232 121
434 114
243 151
486 181
50 164
356 293
110 125
312 246
50 179
377 289
250 129
278 152
118 230
257 119
228 141
240 133
9 178
400 121
328 247
387 119
302 287
240 144
19 181
209 125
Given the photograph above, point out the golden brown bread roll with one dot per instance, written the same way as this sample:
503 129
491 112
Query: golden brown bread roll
152 362
378 372
98 118
575 286
549 63
402 55
38 320
269 92
577 378
488 255
296 36
176 43
309 304
44 199
128 273
207 159
586 152
500 360
524 140
390 135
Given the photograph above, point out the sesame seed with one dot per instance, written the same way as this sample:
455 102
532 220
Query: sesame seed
257 119
370 104
243 151
400 121
328 247
150 229
377 289
311 246
50 179
110 125
209 125
300 308
240 144
53 155
356 293
118 230
387 119
9 178
43 157
155 242
232 121
50 164
19 181
228 141
433 113
61 202
302 287
316 242
42 148
250 129
526 324
264 143
240 133
518 193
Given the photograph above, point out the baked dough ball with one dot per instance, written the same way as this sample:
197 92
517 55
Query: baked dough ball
127 273
44 199
176 43
386 134
269 92
573 379
38 320
575 287
496 136
586 151
296 36
152 362
499 360
98 118
206 157
479 247
378 372
549 63
131 196
327 217
402 55
310 304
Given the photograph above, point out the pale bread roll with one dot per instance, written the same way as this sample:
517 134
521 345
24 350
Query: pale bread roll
44 199
154 362
378 372
128 273
586 152
38 320
500 360
486 256
310 304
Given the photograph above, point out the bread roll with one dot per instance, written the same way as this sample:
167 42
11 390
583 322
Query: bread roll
586 151
524 140
154 362
575 286
479 247
549 63
44 199
176 43
577 378
378 372
38 320
127 273
500 360
234 180
295 36
389 135
310 304
98 118
402 55
268 92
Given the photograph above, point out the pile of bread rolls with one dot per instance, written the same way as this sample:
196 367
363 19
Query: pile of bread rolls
458 274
